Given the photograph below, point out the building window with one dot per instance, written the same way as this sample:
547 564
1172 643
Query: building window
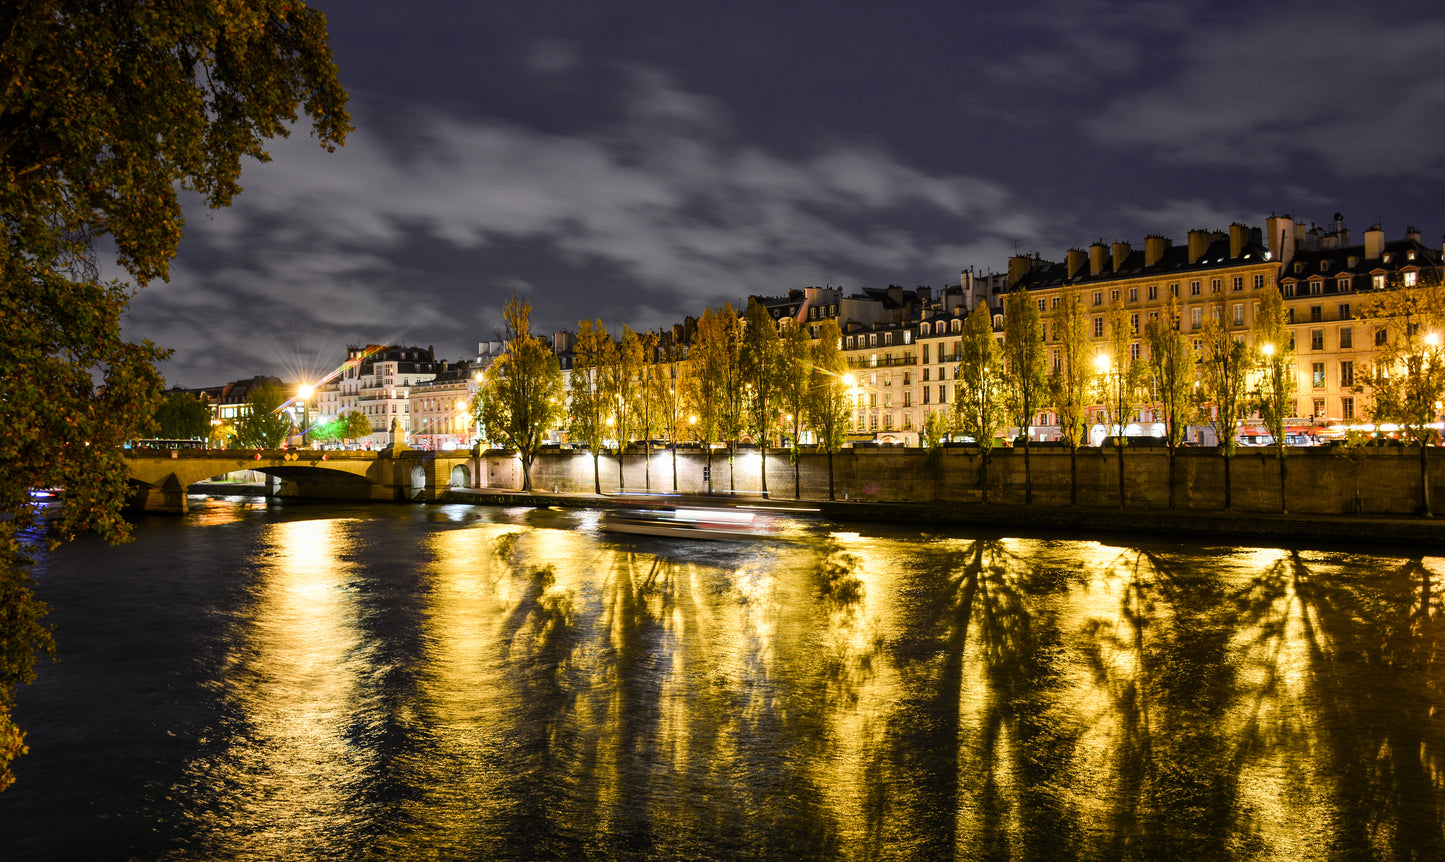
1237 283
1377 282
1345 311
1134 323
1258 281
907 378
1153 291
926 391
1133 294
1317 339
1239 314
925 372
1382 335
1347 337
1319 406
1347 408
907 419
1134 351
1196 317
907 402
1054 302
1193 288
1098 327
1214 284
1098 297
1347 374
1317 287
1317 375
1041 305
925 357
1317 313
942 394
1342 285
1410 279
1114 296
1174 289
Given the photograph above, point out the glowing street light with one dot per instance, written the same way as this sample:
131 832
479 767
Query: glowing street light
304 392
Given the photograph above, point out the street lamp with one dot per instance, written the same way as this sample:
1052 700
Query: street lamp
304 392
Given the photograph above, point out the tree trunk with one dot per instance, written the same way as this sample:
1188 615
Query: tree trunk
1119 444
620 483
1283 503
797 475
764 468
1425 481
708 469
596 472
674 468
1173 450
983 470
732 473
1028 474
830 476
647 466
1073 474
526 473
1228 504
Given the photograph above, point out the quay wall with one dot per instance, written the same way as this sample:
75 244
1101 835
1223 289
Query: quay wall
1320 481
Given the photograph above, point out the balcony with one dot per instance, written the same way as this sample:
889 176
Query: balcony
882 361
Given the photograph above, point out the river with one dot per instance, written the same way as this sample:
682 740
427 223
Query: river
258 680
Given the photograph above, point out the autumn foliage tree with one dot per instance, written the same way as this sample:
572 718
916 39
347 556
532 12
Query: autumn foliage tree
107 110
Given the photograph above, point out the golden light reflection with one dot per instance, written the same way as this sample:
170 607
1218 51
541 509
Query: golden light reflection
300 683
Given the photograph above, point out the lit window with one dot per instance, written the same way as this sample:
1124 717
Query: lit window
1317 375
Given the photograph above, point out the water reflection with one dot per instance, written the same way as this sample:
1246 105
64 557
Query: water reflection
510 684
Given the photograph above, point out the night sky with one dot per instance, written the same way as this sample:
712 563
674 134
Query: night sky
637 162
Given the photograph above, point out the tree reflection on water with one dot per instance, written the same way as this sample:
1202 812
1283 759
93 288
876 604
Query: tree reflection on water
515 685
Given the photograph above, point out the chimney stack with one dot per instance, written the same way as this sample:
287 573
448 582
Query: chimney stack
1198 245
1096 257
1154 247
1018 267
1374 242
1238 238
1121 254
1075 262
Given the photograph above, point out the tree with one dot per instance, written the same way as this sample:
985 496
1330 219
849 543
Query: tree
716 390
183 416
621 389
1222 370
671 382
520 399
1119 382
794 374
828 395
1071 378
1171 362
1275 374
354 425
979 400
649 398
264 425
593 351
106 111
1023 349
1406 375
760 364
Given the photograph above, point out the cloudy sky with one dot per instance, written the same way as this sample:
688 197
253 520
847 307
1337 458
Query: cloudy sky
639 161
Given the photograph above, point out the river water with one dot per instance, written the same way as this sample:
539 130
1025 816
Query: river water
279 681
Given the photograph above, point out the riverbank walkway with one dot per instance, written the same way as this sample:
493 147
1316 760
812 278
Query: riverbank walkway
1402 532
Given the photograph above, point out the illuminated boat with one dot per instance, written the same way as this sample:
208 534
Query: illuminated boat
687 522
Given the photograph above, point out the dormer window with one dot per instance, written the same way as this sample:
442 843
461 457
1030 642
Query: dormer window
1353 261
1385 258
1299 266
1410 255
1325 265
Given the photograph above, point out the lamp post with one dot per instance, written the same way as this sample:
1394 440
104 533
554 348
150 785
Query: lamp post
304 392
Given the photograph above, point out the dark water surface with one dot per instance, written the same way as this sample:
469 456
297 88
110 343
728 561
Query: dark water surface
449 682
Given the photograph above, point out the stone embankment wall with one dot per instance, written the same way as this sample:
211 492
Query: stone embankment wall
1326 481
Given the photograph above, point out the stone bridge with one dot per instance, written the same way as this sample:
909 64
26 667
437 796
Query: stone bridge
161 477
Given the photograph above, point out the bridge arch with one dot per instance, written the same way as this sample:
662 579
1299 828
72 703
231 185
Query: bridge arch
461 477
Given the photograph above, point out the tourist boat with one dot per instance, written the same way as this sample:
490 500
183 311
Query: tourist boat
688 522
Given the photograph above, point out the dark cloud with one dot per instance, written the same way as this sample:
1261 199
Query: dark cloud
638 167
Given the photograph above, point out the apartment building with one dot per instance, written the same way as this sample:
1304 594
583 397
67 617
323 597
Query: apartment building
1324 279
1213 275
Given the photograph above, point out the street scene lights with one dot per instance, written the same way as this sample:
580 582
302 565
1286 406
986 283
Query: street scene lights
304 392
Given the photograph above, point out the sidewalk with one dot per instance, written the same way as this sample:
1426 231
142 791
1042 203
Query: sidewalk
1390 531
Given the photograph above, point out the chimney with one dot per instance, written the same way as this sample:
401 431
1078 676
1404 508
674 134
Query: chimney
1198 245
1121 254
1238 238
1280 238
1018 267
1075 262
1412 233
1374 242
1154 246
1096 258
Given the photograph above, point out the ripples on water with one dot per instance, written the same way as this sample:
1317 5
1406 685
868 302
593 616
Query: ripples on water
345 682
